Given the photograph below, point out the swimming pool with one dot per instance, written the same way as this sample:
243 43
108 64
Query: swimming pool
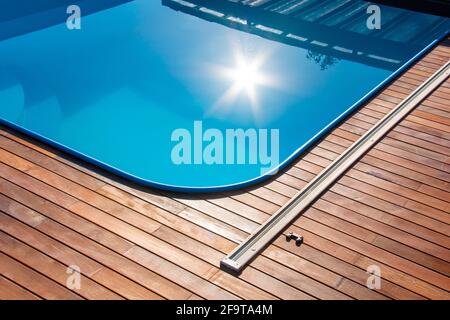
198 95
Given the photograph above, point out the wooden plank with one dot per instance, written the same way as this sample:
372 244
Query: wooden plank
12 291
396 228
396 165
353 195
33 281
300 281
51 268
332 262
330 278
114 280
375 253
47 231
405 159
137 236
402 281
335 217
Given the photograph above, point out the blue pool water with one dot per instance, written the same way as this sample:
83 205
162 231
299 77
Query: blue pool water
123 91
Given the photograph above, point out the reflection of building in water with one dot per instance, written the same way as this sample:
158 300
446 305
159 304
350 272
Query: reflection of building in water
330 29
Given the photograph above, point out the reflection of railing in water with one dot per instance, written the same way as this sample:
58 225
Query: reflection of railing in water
436 7
302 23
307 24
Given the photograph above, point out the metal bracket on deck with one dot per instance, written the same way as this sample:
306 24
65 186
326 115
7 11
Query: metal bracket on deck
293 236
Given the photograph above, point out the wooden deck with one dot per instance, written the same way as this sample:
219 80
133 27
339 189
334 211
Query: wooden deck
391 210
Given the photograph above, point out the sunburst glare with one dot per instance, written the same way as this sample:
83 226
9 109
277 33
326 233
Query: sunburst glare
246 77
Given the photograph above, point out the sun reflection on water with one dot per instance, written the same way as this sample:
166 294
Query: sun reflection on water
246 78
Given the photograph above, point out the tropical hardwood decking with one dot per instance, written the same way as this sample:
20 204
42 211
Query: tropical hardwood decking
390 210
